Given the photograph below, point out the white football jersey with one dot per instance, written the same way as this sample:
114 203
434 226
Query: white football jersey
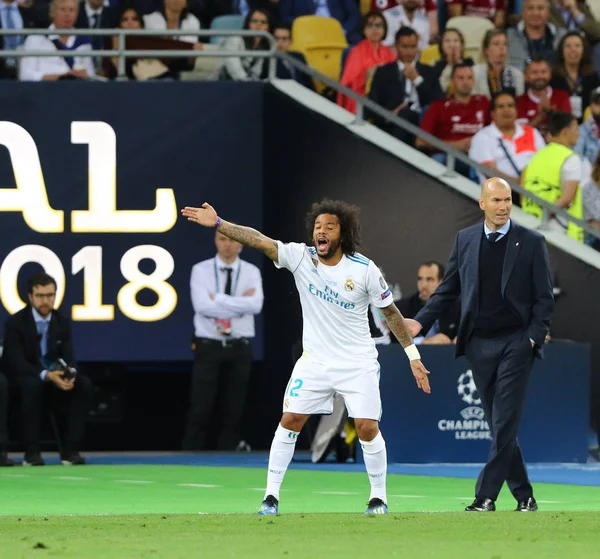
335 300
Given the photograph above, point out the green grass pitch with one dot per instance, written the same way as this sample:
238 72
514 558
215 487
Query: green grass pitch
176 512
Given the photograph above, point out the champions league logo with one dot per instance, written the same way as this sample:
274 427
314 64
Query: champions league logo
472 424
467 389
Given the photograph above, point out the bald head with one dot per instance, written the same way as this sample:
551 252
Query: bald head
494 184
496 202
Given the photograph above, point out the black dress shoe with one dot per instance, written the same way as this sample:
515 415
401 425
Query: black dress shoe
527 505
72 458
33 459
481 505
5 461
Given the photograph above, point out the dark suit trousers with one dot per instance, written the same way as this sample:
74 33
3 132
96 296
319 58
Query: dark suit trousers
74 404
3 411
501 368
219 382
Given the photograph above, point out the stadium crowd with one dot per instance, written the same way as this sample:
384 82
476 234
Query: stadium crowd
484 76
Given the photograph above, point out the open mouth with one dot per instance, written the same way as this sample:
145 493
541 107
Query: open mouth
322 244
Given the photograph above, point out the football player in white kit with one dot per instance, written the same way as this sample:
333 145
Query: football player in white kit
336 284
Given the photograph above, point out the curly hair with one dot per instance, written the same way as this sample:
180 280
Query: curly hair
349 222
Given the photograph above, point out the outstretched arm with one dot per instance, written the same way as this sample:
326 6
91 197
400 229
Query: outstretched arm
397 325
207 216
395 322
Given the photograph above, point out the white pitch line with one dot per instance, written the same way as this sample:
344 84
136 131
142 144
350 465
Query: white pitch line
552 502
73 478
139 481
336 492
15 475
198 485
409 496
257 488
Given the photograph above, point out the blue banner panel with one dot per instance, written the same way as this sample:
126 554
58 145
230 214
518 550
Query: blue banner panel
92 179
448 424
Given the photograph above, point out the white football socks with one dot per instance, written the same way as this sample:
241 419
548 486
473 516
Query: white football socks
375 456
282 451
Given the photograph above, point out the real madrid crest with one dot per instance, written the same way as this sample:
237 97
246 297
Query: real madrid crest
349 286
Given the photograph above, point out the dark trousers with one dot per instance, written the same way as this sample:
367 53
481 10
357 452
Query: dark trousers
220 375
501 368
74 405
3 411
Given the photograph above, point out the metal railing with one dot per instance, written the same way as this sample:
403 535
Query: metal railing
122 53
453 154
362 103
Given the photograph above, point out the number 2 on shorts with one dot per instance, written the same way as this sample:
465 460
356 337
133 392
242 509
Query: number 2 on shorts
295 387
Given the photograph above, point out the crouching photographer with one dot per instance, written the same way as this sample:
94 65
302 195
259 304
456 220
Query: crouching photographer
38 358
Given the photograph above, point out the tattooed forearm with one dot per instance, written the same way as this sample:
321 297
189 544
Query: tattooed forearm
250 237
395 322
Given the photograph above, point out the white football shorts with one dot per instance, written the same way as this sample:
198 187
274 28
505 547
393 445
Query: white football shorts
312 386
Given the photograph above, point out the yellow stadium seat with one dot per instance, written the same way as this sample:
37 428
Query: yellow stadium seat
365 6
430 55
321 40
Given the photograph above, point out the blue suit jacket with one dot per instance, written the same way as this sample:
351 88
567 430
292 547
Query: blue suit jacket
345 11
526 283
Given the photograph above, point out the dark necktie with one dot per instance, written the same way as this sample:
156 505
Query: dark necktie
228 282
94 21
493 237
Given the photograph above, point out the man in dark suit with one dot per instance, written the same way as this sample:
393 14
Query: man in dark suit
282 32
345 11
502 273
404 87
35 339
94 15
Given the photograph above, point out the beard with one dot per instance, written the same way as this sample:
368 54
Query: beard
411 6
331 249
538 85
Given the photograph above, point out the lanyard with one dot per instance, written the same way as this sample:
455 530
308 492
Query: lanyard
237 277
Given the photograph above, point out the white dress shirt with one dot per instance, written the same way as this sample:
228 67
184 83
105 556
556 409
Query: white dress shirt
156 20
33 69
208 279
410 87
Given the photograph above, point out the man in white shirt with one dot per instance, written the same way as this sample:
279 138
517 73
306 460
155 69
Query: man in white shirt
52 68
336 284
506 145
226 294
408 14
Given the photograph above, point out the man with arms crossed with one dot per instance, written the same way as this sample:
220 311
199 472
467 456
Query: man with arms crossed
336 285
502 273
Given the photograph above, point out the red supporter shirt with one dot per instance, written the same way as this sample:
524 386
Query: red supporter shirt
449 120
481 8
381 5
528 105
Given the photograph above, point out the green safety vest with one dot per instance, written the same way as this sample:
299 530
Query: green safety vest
542 178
